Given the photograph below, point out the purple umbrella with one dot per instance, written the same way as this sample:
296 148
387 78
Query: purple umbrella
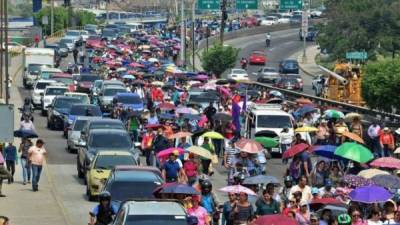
183 110
356 181
201 77
370 194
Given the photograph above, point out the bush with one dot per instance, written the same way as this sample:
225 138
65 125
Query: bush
219 58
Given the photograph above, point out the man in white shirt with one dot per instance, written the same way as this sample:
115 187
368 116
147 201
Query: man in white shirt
373 133
303 188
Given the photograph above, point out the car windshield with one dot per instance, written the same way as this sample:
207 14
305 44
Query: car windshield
42 85
108 33
258 53
89 78
239 71
155 219
64 80
289 80
269 70
35 68
273 121
121 190
72 33
79 124
110 161
55 91
290 64
66 103
112 91
106 125
82 98
110 140
271 18
46 75
63 42
84 110
133 99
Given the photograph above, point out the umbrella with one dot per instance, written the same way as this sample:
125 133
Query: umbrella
128 76
303 101
305 109
369 173
179 189
336 210
191 117
222 117
355 152
333 114
166 106
327 151
180 134
306 129
213 135
166 152
277 219
183 110
356 181
200 151
294 150
317 203
275 93
135 64
153 126
353 136
153 60
237 189
387 181
370 194
22 133
249 146
261 179
267 142
351 116
386 162
157 83
167 116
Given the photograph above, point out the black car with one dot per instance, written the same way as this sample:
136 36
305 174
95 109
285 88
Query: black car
85 82
60 107
289 66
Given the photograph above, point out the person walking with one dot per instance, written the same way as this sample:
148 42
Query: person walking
386 139
4 174
37 155
25 164
10 156
75 52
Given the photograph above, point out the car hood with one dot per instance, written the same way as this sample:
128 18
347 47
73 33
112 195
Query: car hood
86 84
99 173
64 111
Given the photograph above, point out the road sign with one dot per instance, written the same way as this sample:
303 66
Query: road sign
304 23
208 4
291 4
45 20
357 55
246 4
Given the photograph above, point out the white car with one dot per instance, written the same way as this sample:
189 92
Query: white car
315 13
74 132
238 74
38 89
82 96
50 93
284 19
67 43
269 21
84 35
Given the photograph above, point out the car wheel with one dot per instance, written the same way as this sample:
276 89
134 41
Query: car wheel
89 194
79 168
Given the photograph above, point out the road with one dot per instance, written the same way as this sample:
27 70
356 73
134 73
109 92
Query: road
62 165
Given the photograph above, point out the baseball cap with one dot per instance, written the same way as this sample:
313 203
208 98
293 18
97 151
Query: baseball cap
303 203
314 190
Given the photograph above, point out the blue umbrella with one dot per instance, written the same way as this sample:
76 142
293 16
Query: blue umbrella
327 151
179 189
387 181
21 133
128 76
304 110
167 116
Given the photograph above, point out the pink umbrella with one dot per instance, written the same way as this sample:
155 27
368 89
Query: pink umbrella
210 86
249 146
165 153
386 162
183 110
237 189
225 91
135 64
201 77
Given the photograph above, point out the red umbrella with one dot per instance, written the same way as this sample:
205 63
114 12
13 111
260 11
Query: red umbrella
249 146
317 203
166 106
386 162
166 152
294 150
153 126
277 219
135 64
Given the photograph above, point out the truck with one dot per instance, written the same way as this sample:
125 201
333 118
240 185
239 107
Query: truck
33 60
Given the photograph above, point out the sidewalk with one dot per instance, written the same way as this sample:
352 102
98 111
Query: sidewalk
21 205
309 66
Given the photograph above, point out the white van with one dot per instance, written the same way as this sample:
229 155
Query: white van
33 59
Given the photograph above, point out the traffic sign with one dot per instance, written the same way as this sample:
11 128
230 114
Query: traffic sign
246 4
357 55
208 4
291 5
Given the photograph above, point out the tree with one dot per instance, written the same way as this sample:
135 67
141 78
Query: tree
380 84
219 58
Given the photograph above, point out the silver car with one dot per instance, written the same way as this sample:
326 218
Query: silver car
267 75
74 132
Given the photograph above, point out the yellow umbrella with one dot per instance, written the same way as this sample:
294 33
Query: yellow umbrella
369 173
157 83
213 135
170 70
306 129
350 116
200 151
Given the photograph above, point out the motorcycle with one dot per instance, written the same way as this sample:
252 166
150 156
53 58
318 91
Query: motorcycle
26 114
268 42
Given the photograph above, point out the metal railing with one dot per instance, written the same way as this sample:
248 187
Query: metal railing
59 34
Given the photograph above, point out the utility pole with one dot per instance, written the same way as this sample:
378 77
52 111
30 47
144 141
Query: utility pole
224 17
107 12
193 33
183 35
304 28
6 51
52 18
2 48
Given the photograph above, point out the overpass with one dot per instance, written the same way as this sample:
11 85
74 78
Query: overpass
128 17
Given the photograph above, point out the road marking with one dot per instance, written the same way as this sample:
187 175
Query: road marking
15 74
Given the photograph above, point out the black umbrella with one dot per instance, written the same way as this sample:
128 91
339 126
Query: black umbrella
266 133
190 117
222 117
261 179
168 87
25 133
137 83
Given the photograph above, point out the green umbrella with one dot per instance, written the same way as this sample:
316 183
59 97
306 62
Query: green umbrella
213 135
267 142
355 152
334 114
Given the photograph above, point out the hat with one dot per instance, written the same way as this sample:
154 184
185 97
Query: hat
175 152
314 191
196 198
386 129
303 203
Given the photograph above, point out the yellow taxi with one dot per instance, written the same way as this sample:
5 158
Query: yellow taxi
100 169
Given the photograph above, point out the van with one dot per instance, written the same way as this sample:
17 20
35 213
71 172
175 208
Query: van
33 60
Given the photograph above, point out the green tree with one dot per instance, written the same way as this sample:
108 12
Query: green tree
219 58
380 84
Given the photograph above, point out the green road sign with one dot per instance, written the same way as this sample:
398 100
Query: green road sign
357 55
208 4
291 4
246 4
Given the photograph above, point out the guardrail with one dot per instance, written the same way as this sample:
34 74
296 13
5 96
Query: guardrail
59 34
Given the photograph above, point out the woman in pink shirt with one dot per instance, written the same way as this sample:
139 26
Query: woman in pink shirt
198 211
36 157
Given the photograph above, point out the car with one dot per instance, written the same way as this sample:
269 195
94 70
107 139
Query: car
82 96
84 35
57 109
257 58
101 123
312 33
50 93
142 212
269 21
66 79
74 132
88 110
109 34
289 66
101 167
318 83
85 82
127 182
101 140
91 28
129 100
46 73
38 89
284 19
238 74
58 54
295 19
251 21
106 97
106 83
32 73
267 74
75 35
67 43
289 83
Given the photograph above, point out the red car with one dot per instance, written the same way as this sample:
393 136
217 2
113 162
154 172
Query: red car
257 58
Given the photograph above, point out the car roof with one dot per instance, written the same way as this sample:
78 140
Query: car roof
105 120
45 81
112 82
137 168
64 97
56 86
114 87
128 94
107 131
62 75
49 69
76 93
83 118
107 152
165 208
